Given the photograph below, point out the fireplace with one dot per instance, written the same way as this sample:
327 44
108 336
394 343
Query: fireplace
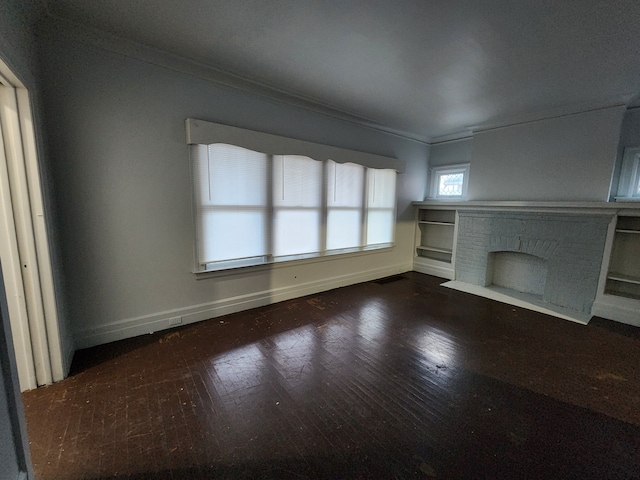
517 271
549 259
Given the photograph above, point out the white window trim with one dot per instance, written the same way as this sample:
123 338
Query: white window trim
629 176
269 266
437 172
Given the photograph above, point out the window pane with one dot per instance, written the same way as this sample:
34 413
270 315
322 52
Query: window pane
381 206
296 231
345 184
231 202
297 205
344 227
381 188
237 176
231 234
297 181
380 226
450 184
345 204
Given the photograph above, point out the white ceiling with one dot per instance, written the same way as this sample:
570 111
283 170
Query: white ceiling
425 68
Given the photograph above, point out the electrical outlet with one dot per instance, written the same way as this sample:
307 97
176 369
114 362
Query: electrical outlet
175 321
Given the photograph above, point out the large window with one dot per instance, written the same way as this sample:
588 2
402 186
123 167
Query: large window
253 208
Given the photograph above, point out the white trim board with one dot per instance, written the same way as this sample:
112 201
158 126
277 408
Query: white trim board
619 309
201 132
519 299
434 269
559 207
182 316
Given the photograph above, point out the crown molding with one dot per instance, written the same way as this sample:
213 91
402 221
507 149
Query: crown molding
565 111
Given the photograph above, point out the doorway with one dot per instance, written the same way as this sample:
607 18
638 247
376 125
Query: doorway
24 245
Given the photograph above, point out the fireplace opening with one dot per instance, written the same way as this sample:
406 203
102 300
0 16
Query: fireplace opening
517 271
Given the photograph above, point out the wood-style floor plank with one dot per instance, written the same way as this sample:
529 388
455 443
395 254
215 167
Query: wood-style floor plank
395 379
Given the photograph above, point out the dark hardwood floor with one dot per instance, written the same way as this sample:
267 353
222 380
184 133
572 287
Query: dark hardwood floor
396 379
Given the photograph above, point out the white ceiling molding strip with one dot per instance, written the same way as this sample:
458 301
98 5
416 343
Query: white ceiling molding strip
200 132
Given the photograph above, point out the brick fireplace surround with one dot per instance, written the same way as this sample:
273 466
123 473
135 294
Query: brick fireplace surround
571 244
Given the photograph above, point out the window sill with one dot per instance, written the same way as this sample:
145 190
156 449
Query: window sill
446 199
241 270
627 199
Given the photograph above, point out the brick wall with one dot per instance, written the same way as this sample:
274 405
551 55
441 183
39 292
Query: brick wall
572 244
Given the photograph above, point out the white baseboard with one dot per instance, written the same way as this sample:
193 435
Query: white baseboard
133 327
432 267
618 309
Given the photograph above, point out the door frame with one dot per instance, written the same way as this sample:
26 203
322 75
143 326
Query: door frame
24 245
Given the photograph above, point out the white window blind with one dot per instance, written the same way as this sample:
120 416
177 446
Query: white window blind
232 214
253 208
297 205
345 205
381 206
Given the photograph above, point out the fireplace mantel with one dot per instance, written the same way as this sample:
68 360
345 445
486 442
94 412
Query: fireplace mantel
587 208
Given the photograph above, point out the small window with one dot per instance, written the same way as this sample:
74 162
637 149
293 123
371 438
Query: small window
450 182
629 185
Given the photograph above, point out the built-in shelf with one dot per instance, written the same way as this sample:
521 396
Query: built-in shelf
435 232
425 222
434 249
623 276
620 277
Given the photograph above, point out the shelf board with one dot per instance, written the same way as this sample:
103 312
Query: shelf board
624 230
620 277
429 222
435 249
619 293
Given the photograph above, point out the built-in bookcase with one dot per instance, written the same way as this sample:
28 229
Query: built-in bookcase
435 240
623 276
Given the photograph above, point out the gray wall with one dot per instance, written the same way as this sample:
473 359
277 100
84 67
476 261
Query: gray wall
569 158
630 133
17 44
120 163
451 153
